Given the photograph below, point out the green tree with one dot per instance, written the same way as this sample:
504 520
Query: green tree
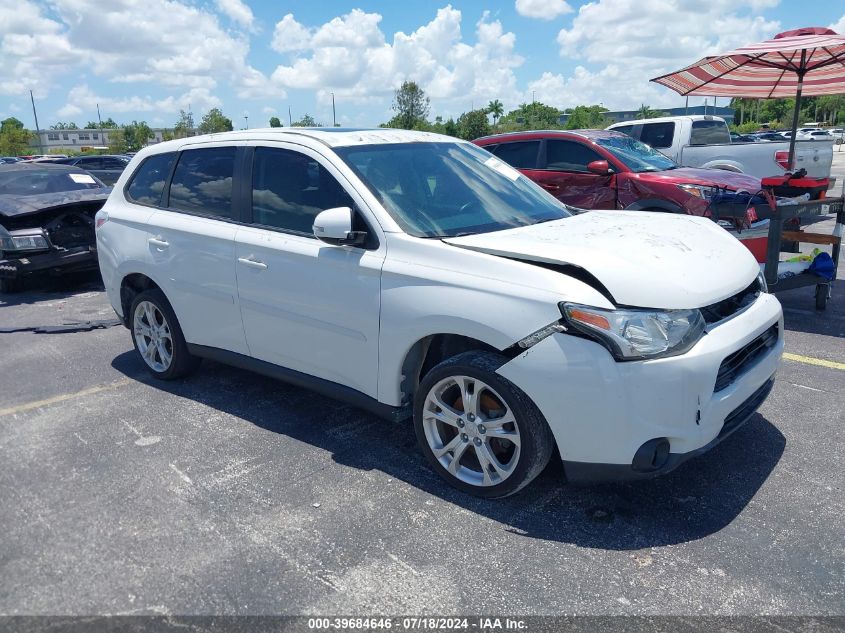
274 122
184 126
495 108
411 106
215 121
646 112
473 124
136 135
307 121
586 117
64 126
14 138
117 141
531 116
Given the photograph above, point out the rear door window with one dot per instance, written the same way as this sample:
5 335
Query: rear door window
147 183
90 162
709 132
569 156
627 129
658 135
519 154
202 182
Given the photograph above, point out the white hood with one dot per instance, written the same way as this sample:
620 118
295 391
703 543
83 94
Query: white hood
650 260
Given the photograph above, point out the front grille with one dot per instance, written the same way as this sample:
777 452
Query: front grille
728 307
741 360
747 408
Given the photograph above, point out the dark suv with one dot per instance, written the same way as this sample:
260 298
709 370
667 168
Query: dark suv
106 168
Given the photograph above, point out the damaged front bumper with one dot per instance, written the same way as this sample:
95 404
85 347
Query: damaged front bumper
53 262
632 420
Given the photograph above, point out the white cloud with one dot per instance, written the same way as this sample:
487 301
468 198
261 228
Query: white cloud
268 110
542 9
625 43
81 99
164 43
290 35
34 49
839 26
351 57
237 11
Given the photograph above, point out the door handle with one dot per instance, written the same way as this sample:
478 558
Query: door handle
158 242
549 186
252 263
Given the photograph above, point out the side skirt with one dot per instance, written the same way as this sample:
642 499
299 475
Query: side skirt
319 385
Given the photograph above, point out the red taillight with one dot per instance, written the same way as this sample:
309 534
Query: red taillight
782 159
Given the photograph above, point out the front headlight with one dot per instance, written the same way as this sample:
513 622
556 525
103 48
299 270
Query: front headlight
637 334
23 240
700 191
761 279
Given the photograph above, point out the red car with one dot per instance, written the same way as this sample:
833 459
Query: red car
602 169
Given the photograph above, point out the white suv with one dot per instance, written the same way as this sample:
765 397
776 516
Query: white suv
418 276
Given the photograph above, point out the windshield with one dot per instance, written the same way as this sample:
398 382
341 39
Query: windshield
34 182
449 189
636 156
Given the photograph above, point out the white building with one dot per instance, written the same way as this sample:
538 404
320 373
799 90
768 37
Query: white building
75 140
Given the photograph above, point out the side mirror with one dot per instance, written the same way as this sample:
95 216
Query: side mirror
334 226
599 167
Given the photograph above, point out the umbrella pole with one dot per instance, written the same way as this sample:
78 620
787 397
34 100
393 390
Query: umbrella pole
797 112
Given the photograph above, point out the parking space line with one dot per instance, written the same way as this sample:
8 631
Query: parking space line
29 406
809 360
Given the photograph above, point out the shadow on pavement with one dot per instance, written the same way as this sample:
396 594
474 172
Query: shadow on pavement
53 288
800 314
703 496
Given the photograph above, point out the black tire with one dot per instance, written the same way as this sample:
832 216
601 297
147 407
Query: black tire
821 297
182 363
536 440
9 286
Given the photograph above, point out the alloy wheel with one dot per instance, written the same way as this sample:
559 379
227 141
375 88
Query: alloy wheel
152 336
471 431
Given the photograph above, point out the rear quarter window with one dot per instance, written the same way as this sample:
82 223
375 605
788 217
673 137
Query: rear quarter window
147 182
519 154
658 135
709 133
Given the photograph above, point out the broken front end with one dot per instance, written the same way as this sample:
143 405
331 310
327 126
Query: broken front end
51 234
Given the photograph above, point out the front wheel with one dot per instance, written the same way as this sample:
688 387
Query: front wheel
478 430
158 338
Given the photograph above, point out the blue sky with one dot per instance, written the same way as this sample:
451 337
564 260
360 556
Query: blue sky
147 59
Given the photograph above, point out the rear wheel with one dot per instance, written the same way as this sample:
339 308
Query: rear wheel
479 431
158 338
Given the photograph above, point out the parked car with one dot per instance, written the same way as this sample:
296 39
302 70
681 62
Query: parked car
603 169
814 135
46 220
838 135
105 167
418 276
769 136
743 138
704 141
8 160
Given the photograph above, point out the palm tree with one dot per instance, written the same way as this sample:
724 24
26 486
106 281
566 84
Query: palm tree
495 108
645 112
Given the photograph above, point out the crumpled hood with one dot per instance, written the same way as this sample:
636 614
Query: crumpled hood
650 260
710 177
15 205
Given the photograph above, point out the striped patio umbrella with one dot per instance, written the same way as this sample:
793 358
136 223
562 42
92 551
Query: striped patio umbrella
808 61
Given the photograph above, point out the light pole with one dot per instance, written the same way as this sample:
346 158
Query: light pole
37 129
334 116
246 121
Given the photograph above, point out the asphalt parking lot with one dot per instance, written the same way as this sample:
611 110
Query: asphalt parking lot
229 493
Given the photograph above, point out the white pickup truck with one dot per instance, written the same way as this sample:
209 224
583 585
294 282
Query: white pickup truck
705 141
